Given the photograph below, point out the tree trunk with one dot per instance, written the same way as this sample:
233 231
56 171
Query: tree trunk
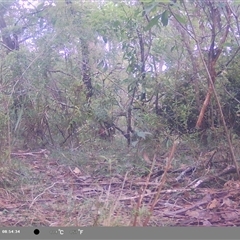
87 80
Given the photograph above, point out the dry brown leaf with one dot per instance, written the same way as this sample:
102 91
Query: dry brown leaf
206 223
215 217
192 214
146 158
77 170
228 202
232 184
213 204
230 216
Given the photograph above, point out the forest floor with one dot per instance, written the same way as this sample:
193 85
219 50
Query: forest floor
107 184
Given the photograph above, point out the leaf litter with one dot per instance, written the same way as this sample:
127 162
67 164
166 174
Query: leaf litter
52 193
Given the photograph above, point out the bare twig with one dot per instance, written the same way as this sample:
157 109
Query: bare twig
162 181
39 195
189 208
141 194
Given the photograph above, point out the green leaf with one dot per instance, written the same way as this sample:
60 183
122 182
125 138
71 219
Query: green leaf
134 143
40 6
116 24
227 44
137 12
153 22
104 39
149 8
142 134
164 18
181 19
105 68
102 66
172 48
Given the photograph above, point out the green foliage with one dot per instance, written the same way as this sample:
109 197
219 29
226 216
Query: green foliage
178 108
164 18
153 22
128 46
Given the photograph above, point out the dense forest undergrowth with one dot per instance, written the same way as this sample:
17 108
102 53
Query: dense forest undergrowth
119 113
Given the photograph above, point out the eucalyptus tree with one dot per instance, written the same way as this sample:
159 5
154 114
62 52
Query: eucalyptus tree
201 43
208 34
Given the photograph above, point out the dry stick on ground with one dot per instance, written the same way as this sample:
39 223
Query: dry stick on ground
141 194
198 182
39 195
21 154
207 199
162 182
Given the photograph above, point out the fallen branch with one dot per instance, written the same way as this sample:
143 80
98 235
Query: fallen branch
189 208
197 183
42 151
187 170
